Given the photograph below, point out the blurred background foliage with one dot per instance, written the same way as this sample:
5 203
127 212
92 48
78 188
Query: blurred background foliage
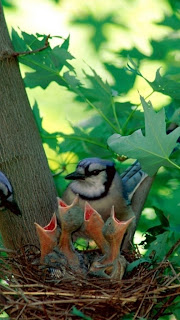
104 36
107 35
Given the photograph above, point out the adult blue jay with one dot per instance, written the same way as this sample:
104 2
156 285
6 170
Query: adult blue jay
97 181
6 195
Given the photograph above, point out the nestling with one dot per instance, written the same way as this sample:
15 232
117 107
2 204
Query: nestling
112 264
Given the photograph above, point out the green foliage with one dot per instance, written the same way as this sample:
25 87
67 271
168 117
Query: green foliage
153 149
8 4
98 25
106 113
46 64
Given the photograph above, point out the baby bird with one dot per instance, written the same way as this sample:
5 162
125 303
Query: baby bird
112 264
71 218
93 224
47 237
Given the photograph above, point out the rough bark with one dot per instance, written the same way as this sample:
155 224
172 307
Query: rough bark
22 157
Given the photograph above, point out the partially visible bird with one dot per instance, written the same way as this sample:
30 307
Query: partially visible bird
6 195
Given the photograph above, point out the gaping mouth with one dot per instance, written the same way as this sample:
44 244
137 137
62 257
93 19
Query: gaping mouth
62 203
51 226
88 211
125 223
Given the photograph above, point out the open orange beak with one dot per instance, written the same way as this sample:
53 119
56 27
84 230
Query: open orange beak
47 236
121 225
93 224
63 207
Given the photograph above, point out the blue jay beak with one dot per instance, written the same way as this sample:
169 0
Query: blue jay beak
75 176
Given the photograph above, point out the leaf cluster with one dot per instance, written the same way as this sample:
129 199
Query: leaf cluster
114 126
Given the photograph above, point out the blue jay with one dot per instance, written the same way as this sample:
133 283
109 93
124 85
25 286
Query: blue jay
97 181
6 195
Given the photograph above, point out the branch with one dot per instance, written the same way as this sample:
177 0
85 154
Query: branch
9 54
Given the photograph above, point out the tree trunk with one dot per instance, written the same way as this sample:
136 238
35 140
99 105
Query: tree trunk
22 157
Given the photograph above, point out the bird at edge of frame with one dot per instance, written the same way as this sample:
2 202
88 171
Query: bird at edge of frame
6 196
96 180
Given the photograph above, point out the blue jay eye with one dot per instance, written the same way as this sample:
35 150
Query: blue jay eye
95 172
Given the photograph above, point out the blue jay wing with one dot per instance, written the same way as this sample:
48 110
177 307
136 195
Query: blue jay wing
5 184
131 179
6 195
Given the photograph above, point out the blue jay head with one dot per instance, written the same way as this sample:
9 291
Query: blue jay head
92 177
90 168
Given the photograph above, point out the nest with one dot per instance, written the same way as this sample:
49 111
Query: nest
28 291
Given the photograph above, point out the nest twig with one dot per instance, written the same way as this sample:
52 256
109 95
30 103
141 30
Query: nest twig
30 293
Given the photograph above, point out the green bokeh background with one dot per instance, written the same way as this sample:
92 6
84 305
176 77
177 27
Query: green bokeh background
99 30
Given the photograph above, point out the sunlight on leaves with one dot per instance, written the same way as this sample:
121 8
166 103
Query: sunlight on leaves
153 149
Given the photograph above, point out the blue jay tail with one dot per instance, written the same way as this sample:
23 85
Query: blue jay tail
131 179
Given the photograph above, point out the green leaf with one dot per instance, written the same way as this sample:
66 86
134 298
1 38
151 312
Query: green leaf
153 149
133 53
48 138
18 42
79 313
123 81
173 112
97 26
162 84
98 91
137 262
162 244
165 85
164 221
161 48
47 63
170 21
37 116
87 141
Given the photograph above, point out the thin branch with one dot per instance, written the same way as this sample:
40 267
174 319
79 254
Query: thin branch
9 54
33 51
